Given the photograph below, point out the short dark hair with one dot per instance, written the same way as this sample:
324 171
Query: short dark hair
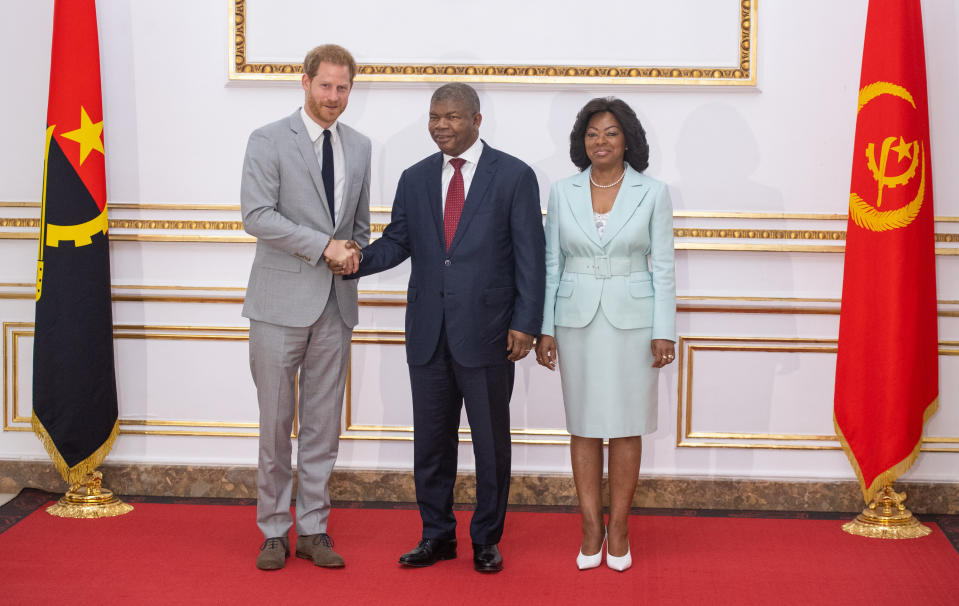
459 92
331 53
637 149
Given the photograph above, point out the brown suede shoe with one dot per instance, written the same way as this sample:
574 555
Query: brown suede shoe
273 553
319 548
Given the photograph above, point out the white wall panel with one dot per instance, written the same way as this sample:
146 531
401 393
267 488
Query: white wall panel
529 32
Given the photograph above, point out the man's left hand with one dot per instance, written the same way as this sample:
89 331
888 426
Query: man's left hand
518 344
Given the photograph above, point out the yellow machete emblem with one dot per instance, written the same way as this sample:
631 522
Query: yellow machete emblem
866 215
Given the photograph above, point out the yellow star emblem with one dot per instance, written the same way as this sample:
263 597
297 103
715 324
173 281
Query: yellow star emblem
88 135
904 150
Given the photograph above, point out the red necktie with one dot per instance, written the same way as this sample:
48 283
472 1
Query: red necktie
455 196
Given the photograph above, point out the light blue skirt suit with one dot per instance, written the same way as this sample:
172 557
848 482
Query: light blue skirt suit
607 296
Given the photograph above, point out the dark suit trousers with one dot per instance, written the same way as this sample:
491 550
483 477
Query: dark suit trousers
440 388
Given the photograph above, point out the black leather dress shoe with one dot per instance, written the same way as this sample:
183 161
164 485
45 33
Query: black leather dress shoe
486 558
429 552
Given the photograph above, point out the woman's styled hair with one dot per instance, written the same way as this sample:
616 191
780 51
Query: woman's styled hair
637 149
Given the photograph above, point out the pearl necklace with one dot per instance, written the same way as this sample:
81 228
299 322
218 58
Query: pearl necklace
613 184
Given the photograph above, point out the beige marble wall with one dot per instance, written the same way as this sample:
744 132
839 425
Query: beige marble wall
397 486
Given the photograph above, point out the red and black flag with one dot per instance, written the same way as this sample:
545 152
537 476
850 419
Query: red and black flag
74 382
887 371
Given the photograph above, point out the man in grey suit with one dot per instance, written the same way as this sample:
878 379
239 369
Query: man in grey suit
305 196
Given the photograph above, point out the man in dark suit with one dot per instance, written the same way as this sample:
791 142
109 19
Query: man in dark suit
469 218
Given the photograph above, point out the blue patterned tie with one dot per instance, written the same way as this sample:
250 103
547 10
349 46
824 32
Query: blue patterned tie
327 170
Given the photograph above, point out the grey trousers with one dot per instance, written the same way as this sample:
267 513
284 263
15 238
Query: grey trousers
320 352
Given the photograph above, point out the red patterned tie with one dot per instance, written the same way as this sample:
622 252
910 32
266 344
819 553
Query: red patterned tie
455 196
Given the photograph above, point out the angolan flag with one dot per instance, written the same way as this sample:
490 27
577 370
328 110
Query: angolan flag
74 384
887 371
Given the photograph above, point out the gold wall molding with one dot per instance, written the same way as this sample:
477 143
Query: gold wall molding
757 234
139 224
13 332
152 224
743 235
743 73
404 433
691 238
777 234
687 438
227 207
678 214
16 420
234 295
118 227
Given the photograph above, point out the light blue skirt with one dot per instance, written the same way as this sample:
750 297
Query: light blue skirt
610 389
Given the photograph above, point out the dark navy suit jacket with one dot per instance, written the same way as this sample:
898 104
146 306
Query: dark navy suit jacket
492 278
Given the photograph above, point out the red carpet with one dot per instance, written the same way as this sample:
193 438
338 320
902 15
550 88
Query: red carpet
204 554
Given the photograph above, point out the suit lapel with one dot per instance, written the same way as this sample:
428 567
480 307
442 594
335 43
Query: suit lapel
581 207
631 194
482 177
434 194
305 146
346 141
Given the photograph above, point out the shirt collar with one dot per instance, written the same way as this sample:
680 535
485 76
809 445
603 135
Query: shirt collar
314 130
470 155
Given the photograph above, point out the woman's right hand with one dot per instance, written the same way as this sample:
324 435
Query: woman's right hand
546 352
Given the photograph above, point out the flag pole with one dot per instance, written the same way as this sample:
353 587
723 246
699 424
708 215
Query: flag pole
887 374
75 411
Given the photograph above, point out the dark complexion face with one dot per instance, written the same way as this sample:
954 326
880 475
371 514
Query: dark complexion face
453 127
605 142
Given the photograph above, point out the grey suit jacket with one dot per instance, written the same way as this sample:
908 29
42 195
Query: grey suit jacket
284 206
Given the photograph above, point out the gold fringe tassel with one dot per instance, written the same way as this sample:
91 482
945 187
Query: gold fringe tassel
77 473
887 477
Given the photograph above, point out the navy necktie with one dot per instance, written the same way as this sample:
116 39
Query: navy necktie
327 170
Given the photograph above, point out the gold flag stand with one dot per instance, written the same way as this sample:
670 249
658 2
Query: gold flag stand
887 518
88 499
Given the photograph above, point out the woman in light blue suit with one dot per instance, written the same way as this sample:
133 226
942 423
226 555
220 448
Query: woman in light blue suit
609 314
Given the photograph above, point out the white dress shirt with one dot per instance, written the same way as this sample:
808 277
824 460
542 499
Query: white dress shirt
315 132
472 156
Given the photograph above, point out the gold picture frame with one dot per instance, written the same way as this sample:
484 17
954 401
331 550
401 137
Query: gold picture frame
742 73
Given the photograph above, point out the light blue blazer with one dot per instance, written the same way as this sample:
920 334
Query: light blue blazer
629 270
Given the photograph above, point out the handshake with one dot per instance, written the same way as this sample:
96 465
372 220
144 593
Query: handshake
342 256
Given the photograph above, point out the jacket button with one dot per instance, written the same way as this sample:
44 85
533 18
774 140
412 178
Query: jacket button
447 262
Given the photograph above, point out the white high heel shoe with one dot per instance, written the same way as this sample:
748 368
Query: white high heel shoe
619 563
585 562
